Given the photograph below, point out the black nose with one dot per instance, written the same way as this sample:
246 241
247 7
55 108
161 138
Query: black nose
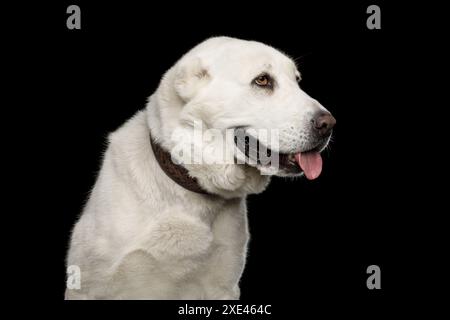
323 123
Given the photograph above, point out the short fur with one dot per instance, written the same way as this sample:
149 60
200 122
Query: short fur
141 236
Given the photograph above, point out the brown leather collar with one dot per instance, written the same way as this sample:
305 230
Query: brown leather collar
176 172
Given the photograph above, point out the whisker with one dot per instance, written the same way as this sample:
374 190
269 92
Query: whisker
297 59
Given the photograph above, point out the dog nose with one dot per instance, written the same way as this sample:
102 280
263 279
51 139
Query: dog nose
323 123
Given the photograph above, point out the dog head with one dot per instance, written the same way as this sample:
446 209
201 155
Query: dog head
248 95
251 87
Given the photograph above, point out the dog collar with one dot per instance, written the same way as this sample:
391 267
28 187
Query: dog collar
176 172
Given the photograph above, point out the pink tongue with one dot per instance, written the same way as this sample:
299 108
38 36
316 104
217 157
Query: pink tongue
311 164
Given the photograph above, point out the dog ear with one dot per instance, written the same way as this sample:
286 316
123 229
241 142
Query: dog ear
191 75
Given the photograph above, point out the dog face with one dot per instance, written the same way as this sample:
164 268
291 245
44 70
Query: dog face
251 88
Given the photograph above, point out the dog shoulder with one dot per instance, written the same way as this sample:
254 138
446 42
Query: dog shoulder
132 133
129 149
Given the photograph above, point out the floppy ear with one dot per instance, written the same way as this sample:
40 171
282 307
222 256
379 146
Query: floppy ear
190 76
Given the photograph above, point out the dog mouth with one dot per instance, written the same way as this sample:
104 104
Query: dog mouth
257 154
309 162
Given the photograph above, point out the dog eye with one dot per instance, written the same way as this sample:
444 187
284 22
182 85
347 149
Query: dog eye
263 80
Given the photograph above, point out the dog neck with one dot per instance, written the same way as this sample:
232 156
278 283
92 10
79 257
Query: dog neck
176 172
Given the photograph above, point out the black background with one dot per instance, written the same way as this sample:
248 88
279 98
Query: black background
311 240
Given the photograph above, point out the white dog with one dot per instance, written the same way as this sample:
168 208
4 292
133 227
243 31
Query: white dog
157 229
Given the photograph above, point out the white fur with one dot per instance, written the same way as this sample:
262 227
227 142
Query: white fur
141 236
